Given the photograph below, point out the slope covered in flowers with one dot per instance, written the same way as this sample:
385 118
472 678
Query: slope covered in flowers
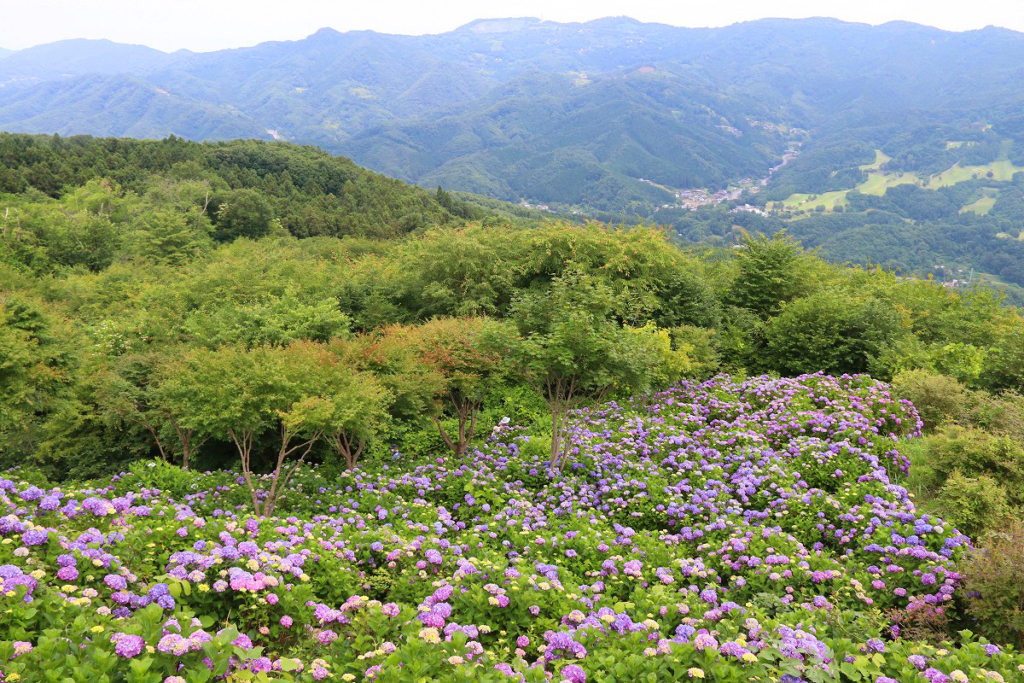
730 531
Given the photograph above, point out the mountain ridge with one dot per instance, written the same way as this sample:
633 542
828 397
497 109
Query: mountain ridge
485 107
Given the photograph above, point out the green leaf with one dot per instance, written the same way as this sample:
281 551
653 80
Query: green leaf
140 666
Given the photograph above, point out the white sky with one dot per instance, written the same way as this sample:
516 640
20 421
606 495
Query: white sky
203 25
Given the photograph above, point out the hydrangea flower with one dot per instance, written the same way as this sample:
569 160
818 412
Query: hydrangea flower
126 645
574 674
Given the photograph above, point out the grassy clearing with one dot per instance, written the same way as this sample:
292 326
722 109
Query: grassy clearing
880 158
980 207
828 200
1001 169
921 474
957 174
878 182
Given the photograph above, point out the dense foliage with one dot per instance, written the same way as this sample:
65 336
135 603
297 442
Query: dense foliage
107 189
104 340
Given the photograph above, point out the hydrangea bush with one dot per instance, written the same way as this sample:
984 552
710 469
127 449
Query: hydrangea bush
726 531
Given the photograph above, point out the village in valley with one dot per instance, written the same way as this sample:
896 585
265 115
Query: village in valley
693 199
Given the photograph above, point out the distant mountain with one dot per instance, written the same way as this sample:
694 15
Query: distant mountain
4 52
549 138
329 86
121 106
612 114
81 57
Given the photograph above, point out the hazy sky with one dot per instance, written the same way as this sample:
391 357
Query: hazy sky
214 24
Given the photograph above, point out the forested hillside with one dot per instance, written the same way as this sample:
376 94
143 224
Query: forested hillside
89 196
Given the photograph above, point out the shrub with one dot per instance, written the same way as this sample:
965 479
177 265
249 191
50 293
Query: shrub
938 399
830 331
973 504
941 399
699 345
962 361
974 452
1003 414
771 271
520 404
994 577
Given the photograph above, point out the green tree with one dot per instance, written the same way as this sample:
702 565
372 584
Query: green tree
36 370
357 406
456 272
169 237
1004 366
453 348
830 332
239 395
149 389
243 213
770 272
122 396
86 239
270 321
565 342
410 383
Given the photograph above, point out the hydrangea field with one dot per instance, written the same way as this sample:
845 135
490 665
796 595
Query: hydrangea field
728 531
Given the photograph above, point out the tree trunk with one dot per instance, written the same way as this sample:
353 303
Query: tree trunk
566 444
466 412
463 418
559 392
185 438
445 437
244 446
350 451
276 483
474 409
555 425
156 439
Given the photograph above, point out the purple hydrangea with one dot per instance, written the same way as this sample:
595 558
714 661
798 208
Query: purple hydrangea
126 645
